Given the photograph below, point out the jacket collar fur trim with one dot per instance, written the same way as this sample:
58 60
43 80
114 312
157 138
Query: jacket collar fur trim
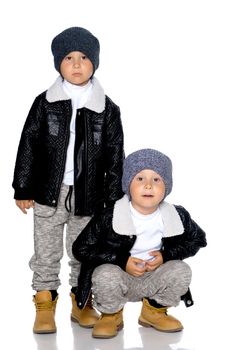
123 223
96 103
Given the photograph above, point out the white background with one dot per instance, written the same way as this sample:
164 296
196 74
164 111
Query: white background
169 66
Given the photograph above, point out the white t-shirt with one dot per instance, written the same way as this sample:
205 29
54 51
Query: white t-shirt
149 230
79 96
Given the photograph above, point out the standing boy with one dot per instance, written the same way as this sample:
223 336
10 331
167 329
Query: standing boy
68 166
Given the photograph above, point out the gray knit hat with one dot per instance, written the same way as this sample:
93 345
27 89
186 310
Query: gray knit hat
75 39
147 159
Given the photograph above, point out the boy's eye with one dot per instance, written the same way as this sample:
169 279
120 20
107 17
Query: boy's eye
139 178
156 179
68 58
84 57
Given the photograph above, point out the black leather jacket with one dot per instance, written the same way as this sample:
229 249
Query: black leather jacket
98 154
106 239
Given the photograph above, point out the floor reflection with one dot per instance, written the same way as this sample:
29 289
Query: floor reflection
46 341
135 339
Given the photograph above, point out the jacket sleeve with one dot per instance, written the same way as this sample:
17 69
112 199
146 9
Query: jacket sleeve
114 153
96 246
23 181
186 244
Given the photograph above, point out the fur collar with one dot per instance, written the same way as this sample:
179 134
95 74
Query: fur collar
96 103
123 223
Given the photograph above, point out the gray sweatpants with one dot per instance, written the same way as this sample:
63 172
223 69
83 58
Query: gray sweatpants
112 287
49 227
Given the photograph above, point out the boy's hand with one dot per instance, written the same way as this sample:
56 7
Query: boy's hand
24 204
155 262
135 267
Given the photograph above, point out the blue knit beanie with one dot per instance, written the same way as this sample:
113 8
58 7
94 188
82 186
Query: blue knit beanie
147 159
75 39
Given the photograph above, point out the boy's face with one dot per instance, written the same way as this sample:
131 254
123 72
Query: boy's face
76 68
147 190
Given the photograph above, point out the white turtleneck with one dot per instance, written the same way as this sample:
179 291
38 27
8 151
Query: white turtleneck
149 229
79 96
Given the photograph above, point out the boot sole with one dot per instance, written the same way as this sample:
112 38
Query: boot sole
147 324
45 331
73 319
119 328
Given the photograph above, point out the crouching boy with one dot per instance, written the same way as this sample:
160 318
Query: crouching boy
135 250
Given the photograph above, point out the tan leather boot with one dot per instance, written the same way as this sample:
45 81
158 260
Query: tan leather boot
85 317
158 318
45 312
108 325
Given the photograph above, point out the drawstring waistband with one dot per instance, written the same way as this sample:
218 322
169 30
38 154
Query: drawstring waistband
68 199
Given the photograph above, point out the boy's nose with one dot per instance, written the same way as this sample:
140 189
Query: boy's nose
76 63
148 186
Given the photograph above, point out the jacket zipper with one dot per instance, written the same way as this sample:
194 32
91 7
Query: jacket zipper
86 160
67 134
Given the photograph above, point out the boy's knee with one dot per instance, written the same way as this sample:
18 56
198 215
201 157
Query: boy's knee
106 273
181 270
184 273
187 270
103 269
